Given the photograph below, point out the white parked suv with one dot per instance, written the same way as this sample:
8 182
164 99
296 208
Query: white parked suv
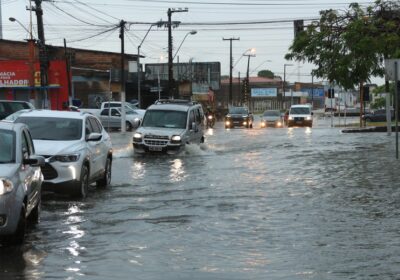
168 125
76 148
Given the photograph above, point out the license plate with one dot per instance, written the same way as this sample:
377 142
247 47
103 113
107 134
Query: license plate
155 148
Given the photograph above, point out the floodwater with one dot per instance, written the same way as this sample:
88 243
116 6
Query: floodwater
256 203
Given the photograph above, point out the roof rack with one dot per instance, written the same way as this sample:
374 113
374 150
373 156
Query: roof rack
176 101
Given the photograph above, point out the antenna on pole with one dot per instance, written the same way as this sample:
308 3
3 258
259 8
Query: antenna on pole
1 24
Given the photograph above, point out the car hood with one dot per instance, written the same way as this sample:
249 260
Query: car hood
47 147
8 170
160 131
271 118
237 115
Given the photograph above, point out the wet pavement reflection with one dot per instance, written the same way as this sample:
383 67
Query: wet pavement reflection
294 203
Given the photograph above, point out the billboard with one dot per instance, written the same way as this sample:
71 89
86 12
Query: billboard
202 75
264 92
316 92
19 73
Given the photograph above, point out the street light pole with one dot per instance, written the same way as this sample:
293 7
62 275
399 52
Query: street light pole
123 113
284 83
31 45
247 93
171 87
139 69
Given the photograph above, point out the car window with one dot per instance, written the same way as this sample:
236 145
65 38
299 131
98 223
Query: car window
7 144
164 118
55 129
95 125
29 142
115 113
198 116
238 110
25 146
88 127
192 119
104 112
272 114
300 110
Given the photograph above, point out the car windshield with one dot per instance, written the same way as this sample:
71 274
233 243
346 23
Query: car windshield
272 114
161 118
56 129
238 110
300 110
7 144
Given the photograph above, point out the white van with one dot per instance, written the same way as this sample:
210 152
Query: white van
300 115
168 125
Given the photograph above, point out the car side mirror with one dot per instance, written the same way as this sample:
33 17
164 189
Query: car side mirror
34 161
93 137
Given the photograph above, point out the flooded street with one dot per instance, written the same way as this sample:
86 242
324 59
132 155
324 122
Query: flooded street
256 203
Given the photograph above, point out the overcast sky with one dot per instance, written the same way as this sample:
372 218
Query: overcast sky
265 25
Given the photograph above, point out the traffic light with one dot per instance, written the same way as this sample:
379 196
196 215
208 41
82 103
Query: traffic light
331 93
298 26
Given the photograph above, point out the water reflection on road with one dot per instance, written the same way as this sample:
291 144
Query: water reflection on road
293 203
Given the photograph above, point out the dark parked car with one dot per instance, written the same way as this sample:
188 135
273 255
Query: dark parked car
378 116
239 116
8 107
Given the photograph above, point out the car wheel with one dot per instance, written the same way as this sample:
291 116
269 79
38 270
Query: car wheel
82 186
19 236
128 126
251 125
34 217
106 180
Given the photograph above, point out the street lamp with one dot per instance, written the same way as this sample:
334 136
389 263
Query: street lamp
284 82
246 93
193 32
31 45
139 69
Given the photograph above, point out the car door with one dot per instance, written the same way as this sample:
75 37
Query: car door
29 175
96 148
193 127
115 117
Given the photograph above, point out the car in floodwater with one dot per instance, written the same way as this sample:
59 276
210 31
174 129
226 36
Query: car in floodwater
76 148
20 182
239 117
271 118
168 125
300 115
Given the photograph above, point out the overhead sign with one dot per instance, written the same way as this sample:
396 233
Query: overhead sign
390 69
314 92
264 92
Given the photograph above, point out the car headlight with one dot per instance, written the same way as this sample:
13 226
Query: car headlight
136 119
279 123
210 117
227 123
176 139
6 186
244 116
65 158
137 137
291 118
228 116
309 118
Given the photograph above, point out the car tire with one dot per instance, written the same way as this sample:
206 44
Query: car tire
251 125
19 235
129 126
34 216
106 179
82 186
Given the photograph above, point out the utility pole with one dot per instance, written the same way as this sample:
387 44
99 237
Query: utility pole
247 90
68 68
171 84
43 58
1 23
122 37
230 68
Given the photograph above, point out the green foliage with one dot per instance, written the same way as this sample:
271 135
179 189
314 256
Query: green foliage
266 74
348 48
379 103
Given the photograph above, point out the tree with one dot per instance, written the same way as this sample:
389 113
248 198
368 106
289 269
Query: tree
266 74
348 48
